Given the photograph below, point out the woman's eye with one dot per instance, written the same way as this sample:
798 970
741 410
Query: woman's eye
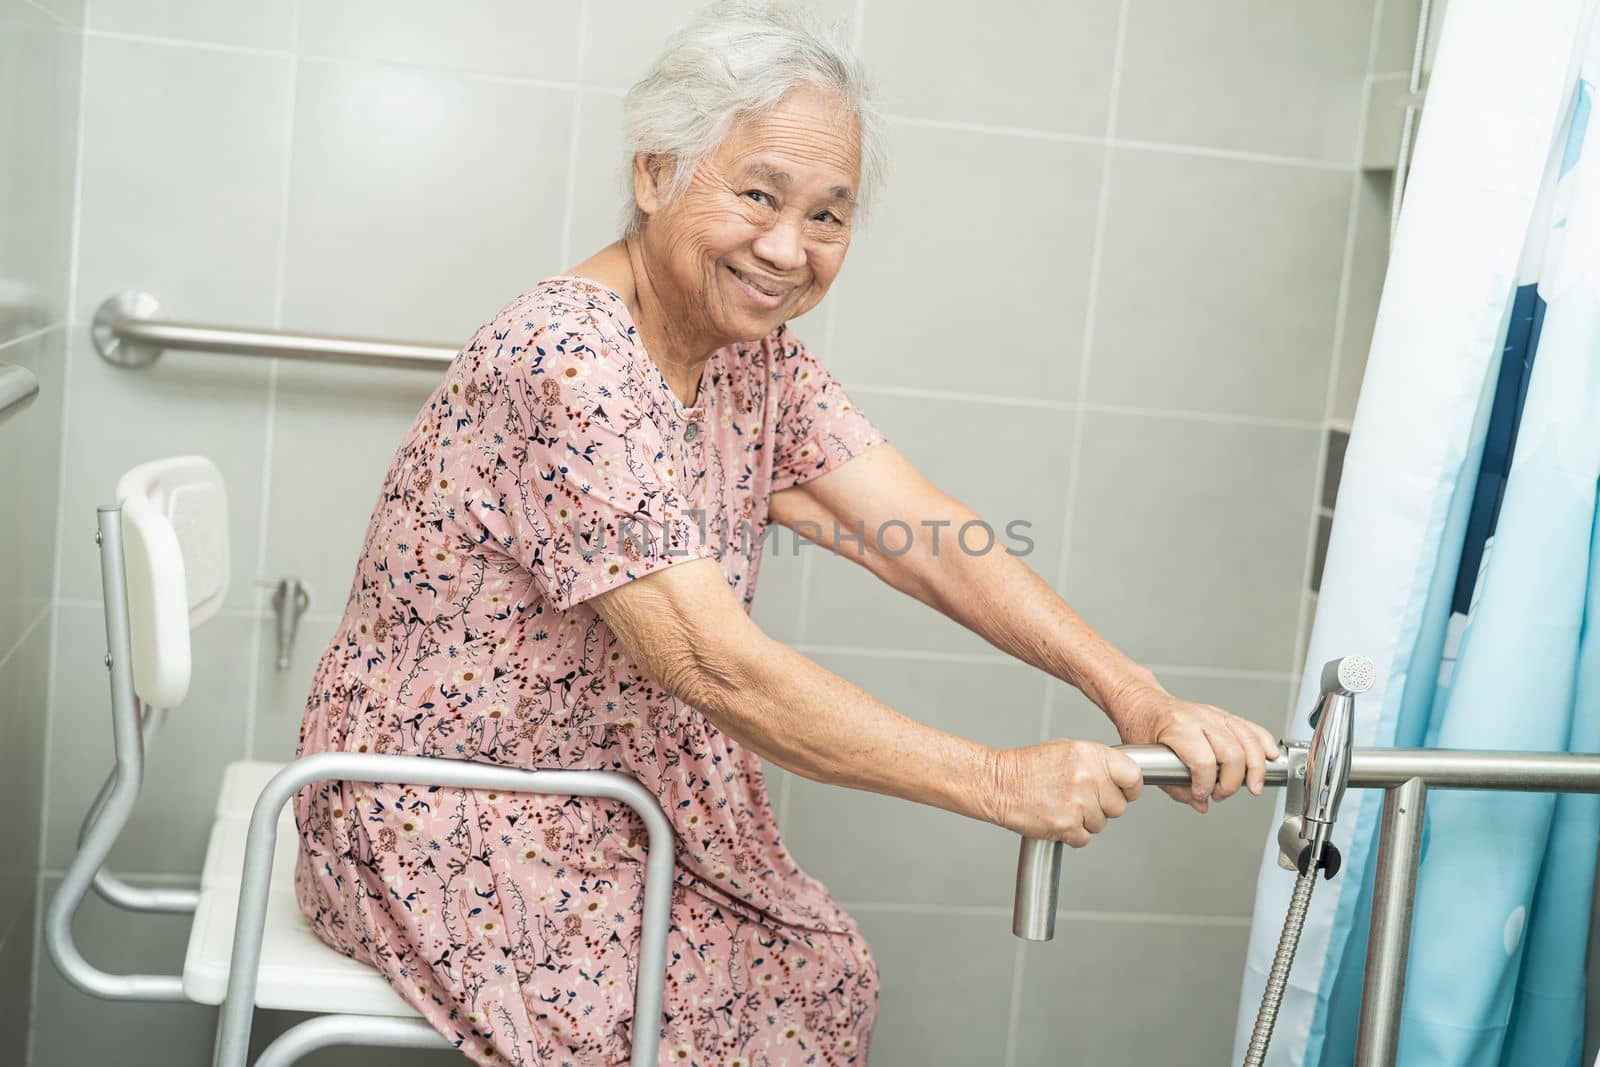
755 192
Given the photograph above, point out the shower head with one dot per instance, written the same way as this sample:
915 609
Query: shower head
1328 757
1348 675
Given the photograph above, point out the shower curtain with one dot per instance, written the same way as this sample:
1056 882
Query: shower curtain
1465 562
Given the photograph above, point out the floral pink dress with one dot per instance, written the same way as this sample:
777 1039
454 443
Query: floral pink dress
552 463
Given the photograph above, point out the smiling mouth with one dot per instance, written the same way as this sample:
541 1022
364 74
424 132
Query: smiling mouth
753 285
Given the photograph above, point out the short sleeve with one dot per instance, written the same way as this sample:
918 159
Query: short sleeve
579 484
816 427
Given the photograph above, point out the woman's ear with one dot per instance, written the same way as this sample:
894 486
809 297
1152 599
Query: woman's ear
651 171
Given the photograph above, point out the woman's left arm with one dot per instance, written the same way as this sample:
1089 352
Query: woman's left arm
1000 598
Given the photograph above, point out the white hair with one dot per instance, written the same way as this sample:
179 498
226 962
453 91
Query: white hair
733 62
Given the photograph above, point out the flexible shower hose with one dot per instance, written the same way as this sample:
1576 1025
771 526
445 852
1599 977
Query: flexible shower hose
1288 942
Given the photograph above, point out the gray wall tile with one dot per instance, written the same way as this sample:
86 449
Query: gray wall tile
944 986
166 834
1188 539
1369 265
1125 992
41 52
17 947
519 38
778 586
251 23
30 485
1218 285
957 284
1005 462
24 694
603 194
625 37
1397 36
420 202
1005 63
40 61
869 847
69 13
1246 74
205 245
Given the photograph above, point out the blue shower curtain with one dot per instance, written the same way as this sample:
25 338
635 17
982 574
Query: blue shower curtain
1494 639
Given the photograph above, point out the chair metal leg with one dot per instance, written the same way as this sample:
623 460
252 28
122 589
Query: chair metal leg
233 1033
113 889
372 1030
118 801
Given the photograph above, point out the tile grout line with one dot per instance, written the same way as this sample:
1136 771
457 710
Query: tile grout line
27 632
38 958
32 335
1074 462
570 209
54 17
61 519
258 593
967 398
145 877
1068 914
1229 418
1236 154
949 656
1341 310
807 569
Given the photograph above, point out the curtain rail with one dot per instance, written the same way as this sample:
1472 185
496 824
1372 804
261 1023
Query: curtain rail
127 333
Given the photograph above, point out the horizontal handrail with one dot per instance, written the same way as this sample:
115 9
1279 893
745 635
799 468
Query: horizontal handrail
1439 768
127 333
1039 865
1406 775
18 387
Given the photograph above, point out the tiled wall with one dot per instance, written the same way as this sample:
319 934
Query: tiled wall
40 60
1103 295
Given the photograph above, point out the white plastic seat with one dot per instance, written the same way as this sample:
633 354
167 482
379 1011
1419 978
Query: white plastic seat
164 561
299 972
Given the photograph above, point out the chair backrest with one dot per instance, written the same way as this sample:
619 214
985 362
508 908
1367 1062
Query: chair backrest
175 555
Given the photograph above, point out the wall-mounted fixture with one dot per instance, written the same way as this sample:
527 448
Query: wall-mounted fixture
290 600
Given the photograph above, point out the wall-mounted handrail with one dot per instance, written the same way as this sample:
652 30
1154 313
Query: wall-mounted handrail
127 333
1405 774
18 387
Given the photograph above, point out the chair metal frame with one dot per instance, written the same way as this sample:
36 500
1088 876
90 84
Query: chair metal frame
114 804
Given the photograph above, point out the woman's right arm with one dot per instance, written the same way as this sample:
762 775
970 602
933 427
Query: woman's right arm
686 630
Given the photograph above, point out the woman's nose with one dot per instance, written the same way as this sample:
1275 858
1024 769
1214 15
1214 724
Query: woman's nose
782 245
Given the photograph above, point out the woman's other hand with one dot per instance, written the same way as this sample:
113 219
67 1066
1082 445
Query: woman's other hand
1222 751
1062 790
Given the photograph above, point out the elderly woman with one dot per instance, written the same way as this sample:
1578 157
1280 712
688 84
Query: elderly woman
559 573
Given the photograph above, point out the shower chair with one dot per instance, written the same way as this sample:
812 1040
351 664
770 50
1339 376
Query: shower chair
164 567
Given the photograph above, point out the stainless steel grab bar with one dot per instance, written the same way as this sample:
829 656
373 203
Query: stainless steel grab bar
127 333
1405 774
18 387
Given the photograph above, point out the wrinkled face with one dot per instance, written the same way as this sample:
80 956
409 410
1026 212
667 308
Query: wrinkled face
762 229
